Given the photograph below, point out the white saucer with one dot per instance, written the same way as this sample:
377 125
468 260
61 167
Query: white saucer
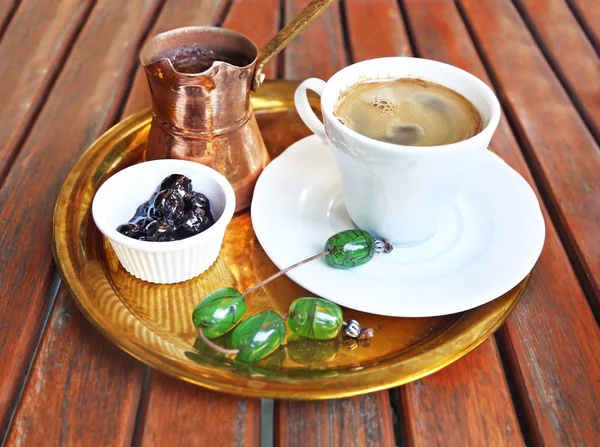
488 244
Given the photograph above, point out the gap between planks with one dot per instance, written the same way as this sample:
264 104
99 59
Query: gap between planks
512 373
224 13
141 407
345 33
279 63
267 418
53 293
583 23
10 13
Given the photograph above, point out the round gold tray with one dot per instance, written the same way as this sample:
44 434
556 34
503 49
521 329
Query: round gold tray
153 322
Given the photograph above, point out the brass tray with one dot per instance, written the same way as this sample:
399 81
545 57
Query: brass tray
153 322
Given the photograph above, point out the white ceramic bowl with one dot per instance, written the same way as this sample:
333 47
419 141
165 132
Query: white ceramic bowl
162 262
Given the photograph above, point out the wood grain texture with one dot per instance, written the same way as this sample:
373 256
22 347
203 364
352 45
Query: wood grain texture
178 413
375 29
463 404
588 14
319 49
353 422
175 14
263 26
552 335
562 150
81 389
82 104
32 50
570 53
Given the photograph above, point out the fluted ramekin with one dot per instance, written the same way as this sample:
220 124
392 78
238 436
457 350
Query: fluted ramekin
118 198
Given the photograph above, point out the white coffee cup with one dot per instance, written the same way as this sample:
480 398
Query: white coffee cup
400 193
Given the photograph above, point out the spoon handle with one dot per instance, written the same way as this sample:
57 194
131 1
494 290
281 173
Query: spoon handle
283 37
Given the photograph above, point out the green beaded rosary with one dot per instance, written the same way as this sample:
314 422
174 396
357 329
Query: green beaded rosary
316 318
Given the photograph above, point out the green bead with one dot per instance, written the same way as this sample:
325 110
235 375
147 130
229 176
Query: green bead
258 336
219 312
315 318
349 248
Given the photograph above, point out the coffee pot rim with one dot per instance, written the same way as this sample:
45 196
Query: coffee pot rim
152 46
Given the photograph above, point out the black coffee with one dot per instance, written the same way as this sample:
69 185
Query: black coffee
408 111
191 59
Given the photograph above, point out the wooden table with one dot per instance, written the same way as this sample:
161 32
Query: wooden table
70 70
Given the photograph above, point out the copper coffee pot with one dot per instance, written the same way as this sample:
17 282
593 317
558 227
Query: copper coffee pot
200 81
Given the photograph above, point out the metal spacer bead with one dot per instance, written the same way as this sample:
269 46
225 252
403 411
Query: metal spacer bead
382 246
352 328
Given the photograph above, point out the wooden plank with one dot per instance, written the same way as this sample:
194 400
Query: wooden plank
178 413
375 29
175 14
588 14
81 389
552 335
466 403
358 421
32 50
83 103
570 53
319 49
263 26
562 150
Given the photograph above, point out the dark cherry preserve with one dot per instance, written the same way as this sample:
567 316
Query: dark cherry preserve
174 212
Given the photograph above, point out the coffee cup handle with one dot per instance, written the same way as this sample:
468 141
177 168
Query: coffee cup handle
304 109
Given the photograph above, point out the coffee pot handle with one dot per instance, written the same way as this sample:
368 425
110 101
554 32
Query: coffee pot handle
304 109
285 36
